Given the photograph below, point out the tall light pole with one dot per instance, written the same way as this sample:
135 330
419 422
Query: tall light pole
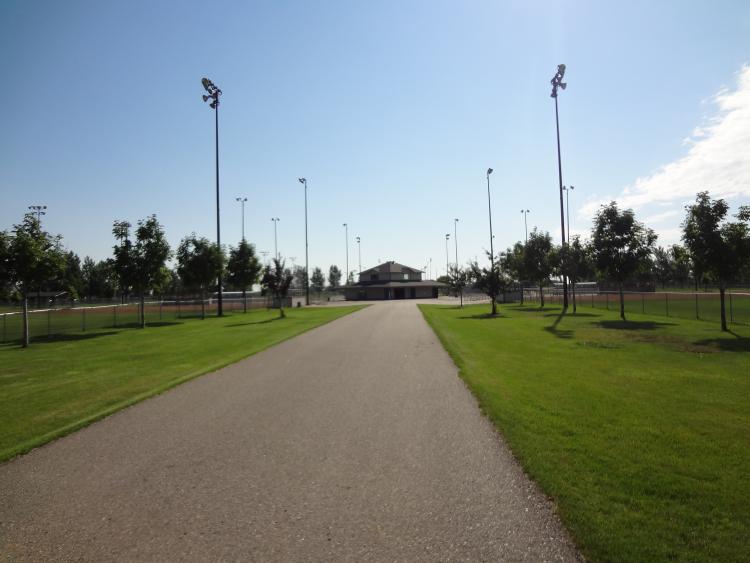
525 225
307 276
213 95
38 210
275 238
346 235
242 201
447 267
558 83
455 239
492 249
359 253
567 206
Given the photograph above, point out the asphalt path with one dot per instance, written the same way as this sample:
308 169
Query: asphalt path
356 441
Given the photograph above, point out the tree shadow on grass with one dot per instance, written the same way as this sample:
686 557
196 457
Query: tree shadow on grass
154 324
633 325
484 316
265 321
736 344
558 332
73 337
574 315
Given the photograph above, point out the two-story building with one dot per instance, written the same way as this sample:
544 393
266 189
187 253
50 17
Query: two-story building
392 280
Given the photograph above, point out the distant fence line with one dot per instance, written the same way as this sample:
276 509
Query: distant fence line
44 323
677 304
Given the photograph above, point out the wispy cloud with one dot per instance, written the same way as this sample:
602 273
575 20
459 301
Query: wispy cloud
718 158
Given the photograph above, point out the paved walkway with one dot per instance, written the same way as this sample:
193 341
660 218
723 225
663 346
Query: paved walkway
356 441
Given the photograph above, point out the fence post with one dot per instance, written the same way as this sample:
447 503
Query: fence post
666 298
83 318
731 311
697 316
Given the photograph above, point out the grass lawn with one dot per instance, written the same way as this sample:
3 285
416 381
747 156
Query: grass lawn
639 431
58 385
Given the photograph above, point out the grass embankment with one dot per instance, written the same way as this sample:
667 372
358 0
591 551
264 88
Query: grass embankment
59 385
639 431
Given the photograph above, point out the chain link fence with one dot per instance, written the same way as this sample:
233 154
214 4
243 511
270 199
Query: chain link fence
53 322
705 306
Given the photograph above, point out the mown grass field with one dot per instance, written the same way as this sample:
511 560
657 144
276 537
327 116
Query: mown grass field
58 385
640 431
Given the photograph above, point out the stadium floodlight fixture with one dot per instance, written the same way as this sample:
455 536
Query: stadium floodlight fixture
213 92
489 171
38 210
557 80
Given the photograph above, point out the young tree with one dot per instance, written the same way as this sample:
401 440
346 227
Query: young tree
539 260
299 276
515 265
243 268
620 245
5 263
663 265
138 262
350 278
719 249
99 278
578 265
488 280
681 264
334 277
276 280
457 280
317 280
33 259
72 276
199 263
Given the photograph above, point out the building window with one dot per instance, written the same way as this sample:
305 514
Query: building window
406 276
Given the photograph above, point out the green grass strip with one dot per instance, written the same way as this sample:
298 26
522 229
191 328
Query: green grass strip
59 385
639 431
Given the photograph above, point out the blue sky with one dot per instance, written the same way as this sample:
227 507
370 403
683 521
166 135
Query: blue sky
392 110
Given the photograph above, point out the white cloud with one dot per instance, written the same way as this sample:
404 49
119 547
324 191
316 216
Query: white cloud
718 158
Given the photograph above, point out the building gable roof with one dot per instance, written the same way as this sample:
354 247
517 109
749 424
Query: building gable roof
390 268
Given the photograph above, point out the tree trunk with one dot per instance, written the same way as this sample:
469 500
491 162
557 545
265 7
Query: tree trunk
25 336
622 302
461 296
541 295
203 305
244 300
722 290
494 306
521 286
282 314
143 311
573 286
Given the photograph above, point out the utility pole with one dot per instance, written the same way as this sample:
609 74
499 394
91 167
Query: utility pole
242 201
557 82
213 95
